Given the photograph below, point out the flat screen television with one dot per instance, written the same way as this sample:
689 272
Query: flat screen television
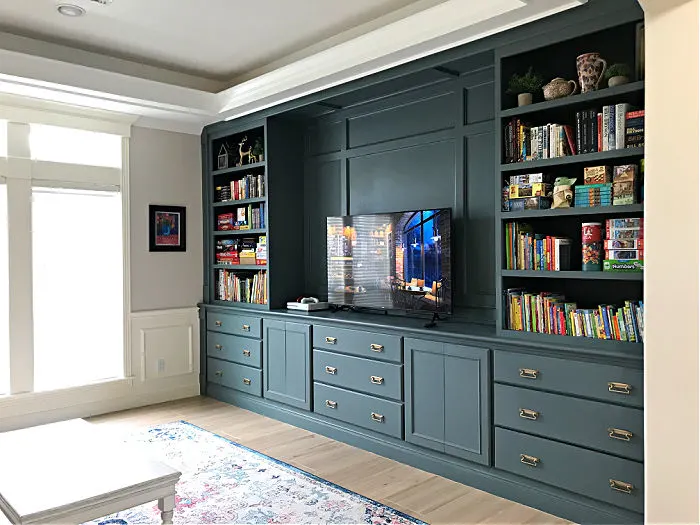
391 261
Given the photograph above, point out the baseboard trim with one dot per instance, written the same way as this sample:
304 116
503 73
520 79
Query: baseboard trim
527 492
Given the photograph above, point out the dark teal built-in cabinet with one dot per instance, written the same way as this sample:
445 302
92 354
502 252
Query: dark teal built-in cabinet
552 422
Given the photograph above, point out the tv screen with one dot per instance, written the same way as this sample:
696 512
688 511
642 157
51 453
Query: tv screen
394 261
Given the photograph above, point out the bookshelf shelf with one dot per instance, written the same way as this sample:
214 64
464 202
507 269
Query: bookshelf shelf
603 347
224 233
253 267
634 209
240 304
593 276
237 169
239 202
583 99
584 158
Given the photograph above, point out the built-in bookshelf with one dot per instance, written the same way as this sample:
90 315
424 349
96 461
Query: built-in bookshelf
532 296
245 190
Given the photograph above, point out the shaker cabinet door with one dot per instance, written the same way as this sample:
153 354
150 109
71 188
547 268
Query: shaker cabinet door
287 363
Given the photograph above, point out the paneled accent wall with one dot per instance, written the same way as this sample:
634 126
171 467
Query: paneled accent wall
428 147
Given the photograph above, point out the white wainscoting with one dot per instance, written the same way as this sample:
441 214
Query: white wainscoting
161 364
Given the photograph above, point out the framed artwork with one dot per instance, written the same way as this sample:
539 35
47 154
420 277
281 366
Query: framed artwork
167 231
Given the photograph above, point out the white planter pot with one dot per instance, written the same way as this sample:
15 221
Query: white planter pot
524 99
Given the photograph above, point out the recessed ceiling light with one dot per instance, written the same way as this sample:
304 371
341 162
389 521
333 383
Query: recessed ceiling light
70 10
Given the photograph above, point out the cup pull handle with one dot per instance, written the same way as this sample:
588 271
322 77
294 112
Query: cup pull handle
526 413
218 323
331 404
377 417
376 380
246 381
246 328
246 353
529 373
331 340
619 388
530 461
376 348
621 486
622 435
219 373
331 370
218 347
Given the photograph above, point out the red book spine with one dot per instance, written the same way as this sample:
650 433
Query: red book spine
600 132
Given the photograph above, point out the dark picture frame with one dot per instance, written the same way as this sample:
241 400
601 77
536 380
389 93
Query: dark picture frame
167 228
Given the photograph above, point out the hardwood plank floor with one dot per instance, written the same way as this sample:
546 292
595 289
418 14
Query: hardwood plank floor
431 498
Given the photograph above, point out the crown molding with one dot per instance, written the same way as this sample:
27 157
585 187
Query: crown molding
175 108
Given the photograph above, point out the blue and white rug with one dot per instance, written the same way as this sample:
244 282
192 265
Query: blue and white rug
224 482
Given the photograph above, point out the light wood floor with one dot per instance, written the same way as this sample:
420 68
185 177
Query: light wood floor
432 498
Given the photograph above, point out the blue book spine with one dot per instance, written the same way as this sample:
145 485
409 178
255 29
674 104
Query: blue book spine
606 322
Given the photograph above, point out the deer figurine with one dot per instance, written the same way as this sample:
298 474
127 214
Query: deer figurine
245 154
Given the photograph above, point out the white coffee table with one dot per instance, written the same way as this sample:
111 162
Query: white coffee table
73 472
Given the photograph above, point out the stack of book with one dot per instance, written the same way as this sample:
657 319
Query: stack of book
550 313
624 245
261 251
625 185
245 218
596 189
528 192
634 129
239 288
526 250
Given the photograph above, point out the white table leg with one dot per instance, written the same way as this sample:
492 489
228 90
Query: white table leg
166 506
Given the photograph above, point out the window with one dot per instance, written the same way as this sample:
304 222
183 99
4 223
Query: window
78 287
74 146
4 296
3 138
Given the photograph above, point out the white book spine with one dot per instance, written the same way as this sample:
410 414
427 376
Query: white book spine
620 116
606 127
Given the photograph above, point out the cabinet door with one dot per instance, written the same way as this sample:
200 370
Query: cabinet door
287 363
424 383
467 403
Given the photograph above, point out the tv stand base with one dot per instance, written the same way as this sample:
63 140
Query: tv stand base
434 320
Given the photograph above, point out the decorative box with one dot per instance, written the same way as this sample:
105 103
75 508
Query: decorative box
530 203
536 189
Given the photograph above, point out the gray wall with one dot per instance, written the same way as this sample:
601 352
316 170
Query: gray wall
165 168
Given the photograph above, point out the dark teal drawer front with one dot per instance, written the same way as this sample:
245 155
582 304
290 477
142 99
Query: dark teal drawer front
365 375
234 348
362 410
363 344
245 325
572 468
610 428
605 382
232 375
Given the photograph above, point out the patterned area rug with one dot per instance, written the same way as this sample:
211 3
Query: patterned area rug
224 482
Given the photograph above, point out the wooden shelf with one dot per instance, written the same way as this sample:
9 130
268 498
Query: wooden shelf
581 99
239 202
596 276
240 266
611 348
584 158
573 212
262 231
236 169
240 304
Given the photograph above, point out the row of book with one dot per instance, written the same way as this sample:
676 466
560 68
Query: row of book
614 127
526 250
242 251
550 313
244 218
248 187
240 288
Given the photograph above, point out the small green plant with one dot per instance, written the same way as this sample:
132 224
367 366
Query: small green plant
617 70
258 148
530 82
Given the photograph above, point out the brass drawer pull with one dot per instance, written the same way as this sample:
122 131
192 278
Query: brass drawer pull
246 353
530 461
331 340
219 373
331 404
526 413
622 435
331 370
377 417
218 323
376 348
246 327
218 347
529 373
621 486
246 381
619 388
376 380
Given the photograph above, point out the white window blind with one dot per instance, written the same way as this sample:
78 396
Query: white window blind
74 146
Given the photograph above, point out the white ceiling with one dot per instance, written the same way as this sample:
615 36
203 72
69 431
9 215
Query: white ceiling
215 39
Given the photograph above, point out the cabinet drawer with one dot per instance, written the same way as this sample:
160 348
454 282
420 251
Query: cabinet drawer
236 324
593 474
232 375
609 383
234 348
610 428
366 375
362 410
363 344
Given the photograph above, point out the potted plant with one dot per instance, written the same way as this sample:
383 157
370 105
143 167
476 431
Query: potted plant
524 86
618 74
258 150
